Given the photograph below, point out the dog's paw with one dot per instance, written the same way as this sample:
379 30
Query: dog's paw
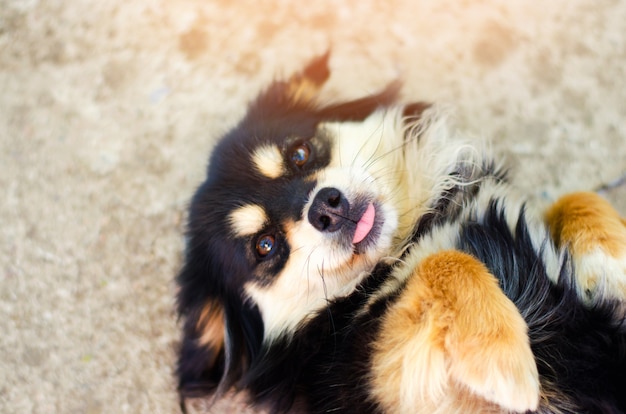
595 235
454 329
499 367
601 275
487 347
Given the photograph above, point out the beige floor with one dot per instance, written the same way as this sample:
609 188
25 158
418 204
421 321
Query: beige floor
108 110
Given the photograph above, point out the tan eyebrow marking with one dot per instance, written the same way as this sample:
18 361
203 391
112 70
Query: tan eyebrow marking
247 220
268 160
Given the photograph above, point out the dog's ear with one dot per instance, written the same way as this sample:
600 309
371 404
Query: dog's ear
303 87
299 91
202 355
211 328
219 343
359 109
414 111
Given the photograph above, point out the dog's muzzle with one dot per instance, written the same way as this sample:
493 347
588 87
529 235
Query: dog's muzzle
332 212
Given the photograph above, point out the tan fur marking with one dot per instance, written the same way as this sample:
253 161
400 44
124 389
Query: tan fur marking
585 221
247 220
268 160
210 325
304 88
453 332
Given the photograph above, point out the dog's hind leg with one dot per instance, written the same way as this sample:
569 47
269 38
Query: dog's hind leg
595 235
453 339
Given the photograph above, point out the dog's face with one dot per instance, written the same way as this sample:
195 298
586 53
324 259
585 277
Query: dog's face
300 203
314 216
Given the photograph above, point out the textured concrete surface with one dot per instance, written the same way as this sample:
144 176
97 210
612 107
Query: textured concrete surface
108 111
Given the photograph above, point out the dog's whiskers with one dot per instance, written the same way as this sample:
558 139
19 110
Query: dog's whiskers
363 145
307 265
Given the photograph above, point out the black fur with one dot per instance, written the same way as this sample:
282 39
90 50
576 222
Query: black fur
581 350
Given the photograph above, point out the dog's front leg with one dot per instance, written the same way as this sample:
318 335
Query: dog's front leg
453 342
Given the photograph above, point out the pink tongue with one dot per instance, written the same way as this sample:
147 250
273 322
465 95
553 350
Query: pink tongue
364 225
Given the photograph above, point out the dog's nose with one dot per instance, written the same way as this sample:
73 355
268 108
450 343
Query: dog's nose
329 210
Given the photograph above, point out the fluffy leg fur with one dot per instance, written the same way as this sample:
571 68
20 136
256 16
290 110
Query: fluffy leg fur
595 234
453 331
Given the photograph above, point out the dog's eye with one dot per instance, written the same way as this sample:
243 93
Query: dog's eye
300 154
265 245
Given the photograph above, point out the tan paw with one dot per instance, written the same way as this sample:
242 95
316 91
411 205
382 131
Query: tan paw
499 368
600 275
487 346
451 328
594 233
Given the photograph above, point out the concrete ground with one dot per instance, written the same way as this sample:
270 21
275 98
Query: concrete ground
108 111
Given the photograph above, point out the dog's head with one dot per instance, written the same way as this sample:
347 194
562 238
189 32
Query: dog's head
301 201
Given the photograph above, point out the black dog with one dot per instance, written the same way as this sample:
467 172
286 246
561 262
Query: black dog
361 257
